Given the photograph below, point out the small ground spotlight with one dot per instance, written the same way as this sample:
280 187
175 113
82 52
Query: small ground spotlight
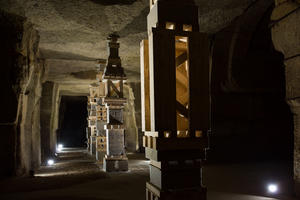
273 188
60 147
50 162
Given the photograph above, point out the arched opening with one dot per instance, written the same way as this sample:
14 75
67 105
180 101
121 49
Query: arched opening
252 122
72 121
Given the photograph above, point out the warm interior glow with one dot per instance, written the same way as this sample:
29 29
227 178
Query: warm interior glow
167 134
187 27
182 84
198 133
170 25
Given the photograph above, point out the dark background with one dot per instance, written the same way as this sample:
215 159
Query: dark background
72 121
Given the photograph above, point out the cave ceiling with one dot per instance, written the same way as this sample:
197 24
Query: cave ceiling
73 32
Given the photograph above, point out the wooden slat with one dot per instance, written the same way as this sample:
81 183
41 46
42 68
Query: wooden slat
182 78
199 105
171 155
163 81
145 85
145 141
150 133
112 85
155 163
150 142
153 189
181 109
163 144
181 59
181 143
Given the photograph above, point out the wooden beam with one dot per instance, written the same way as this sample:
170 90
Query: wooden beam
110 83
181 78
181 109
181 59
145 86
199 106
162 81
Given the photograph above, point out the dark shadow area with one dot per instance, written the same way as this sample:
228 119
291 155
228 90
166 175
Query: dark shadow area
252 140
251 120
72 121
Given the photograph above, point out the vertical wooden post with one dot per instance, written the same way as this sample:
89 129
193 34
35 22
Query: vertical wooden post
175 150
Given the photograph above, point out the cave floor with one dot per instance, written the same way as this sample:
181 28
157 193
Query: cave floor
76 176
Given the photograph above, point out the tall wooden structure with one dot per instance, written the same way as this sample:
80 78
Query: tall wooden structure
175 100
114 76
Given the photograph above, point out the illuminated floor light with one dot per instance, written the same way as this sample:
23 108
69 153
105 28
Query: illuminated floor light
272 188
50 162
60 147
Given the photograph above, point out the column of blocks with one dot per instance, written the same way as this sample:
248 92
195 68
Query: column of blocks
175 100
101 113
92 121
101 135
114 76
97 119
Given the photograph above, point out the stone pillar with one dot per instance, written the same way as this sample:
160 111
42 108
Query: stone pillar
49 120
286 38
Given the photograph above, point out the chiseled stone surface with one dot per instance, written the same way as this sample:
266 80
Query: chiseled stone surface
295 107
22 74
286 38
74 31
286 33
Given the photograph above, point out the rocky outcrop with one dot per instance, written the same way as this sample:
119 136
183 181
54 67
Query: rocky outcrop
49 116
21 79
286 38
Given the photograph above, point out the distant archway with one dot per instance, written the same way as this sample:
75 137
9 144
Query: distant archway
72 121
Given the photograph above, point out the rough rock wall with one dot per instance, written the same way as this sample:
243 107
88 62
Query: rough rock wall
136 88
49 119
21 77
286 38
131 129
30 153
251 119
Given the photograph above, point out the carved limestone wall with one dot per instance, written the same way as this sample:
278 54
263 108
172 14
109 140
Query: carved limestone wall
21 77
286 38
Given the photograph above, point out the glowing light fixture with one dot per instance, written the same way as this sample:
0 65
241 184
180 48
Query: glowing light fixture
60 147
272 188
50 162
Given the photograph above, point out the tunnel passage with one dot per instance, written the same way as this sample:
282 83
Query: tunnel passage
72 121
250 116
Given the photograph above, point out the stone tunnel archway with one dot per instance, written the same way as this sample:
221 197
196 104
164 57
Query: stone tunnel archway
248 89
